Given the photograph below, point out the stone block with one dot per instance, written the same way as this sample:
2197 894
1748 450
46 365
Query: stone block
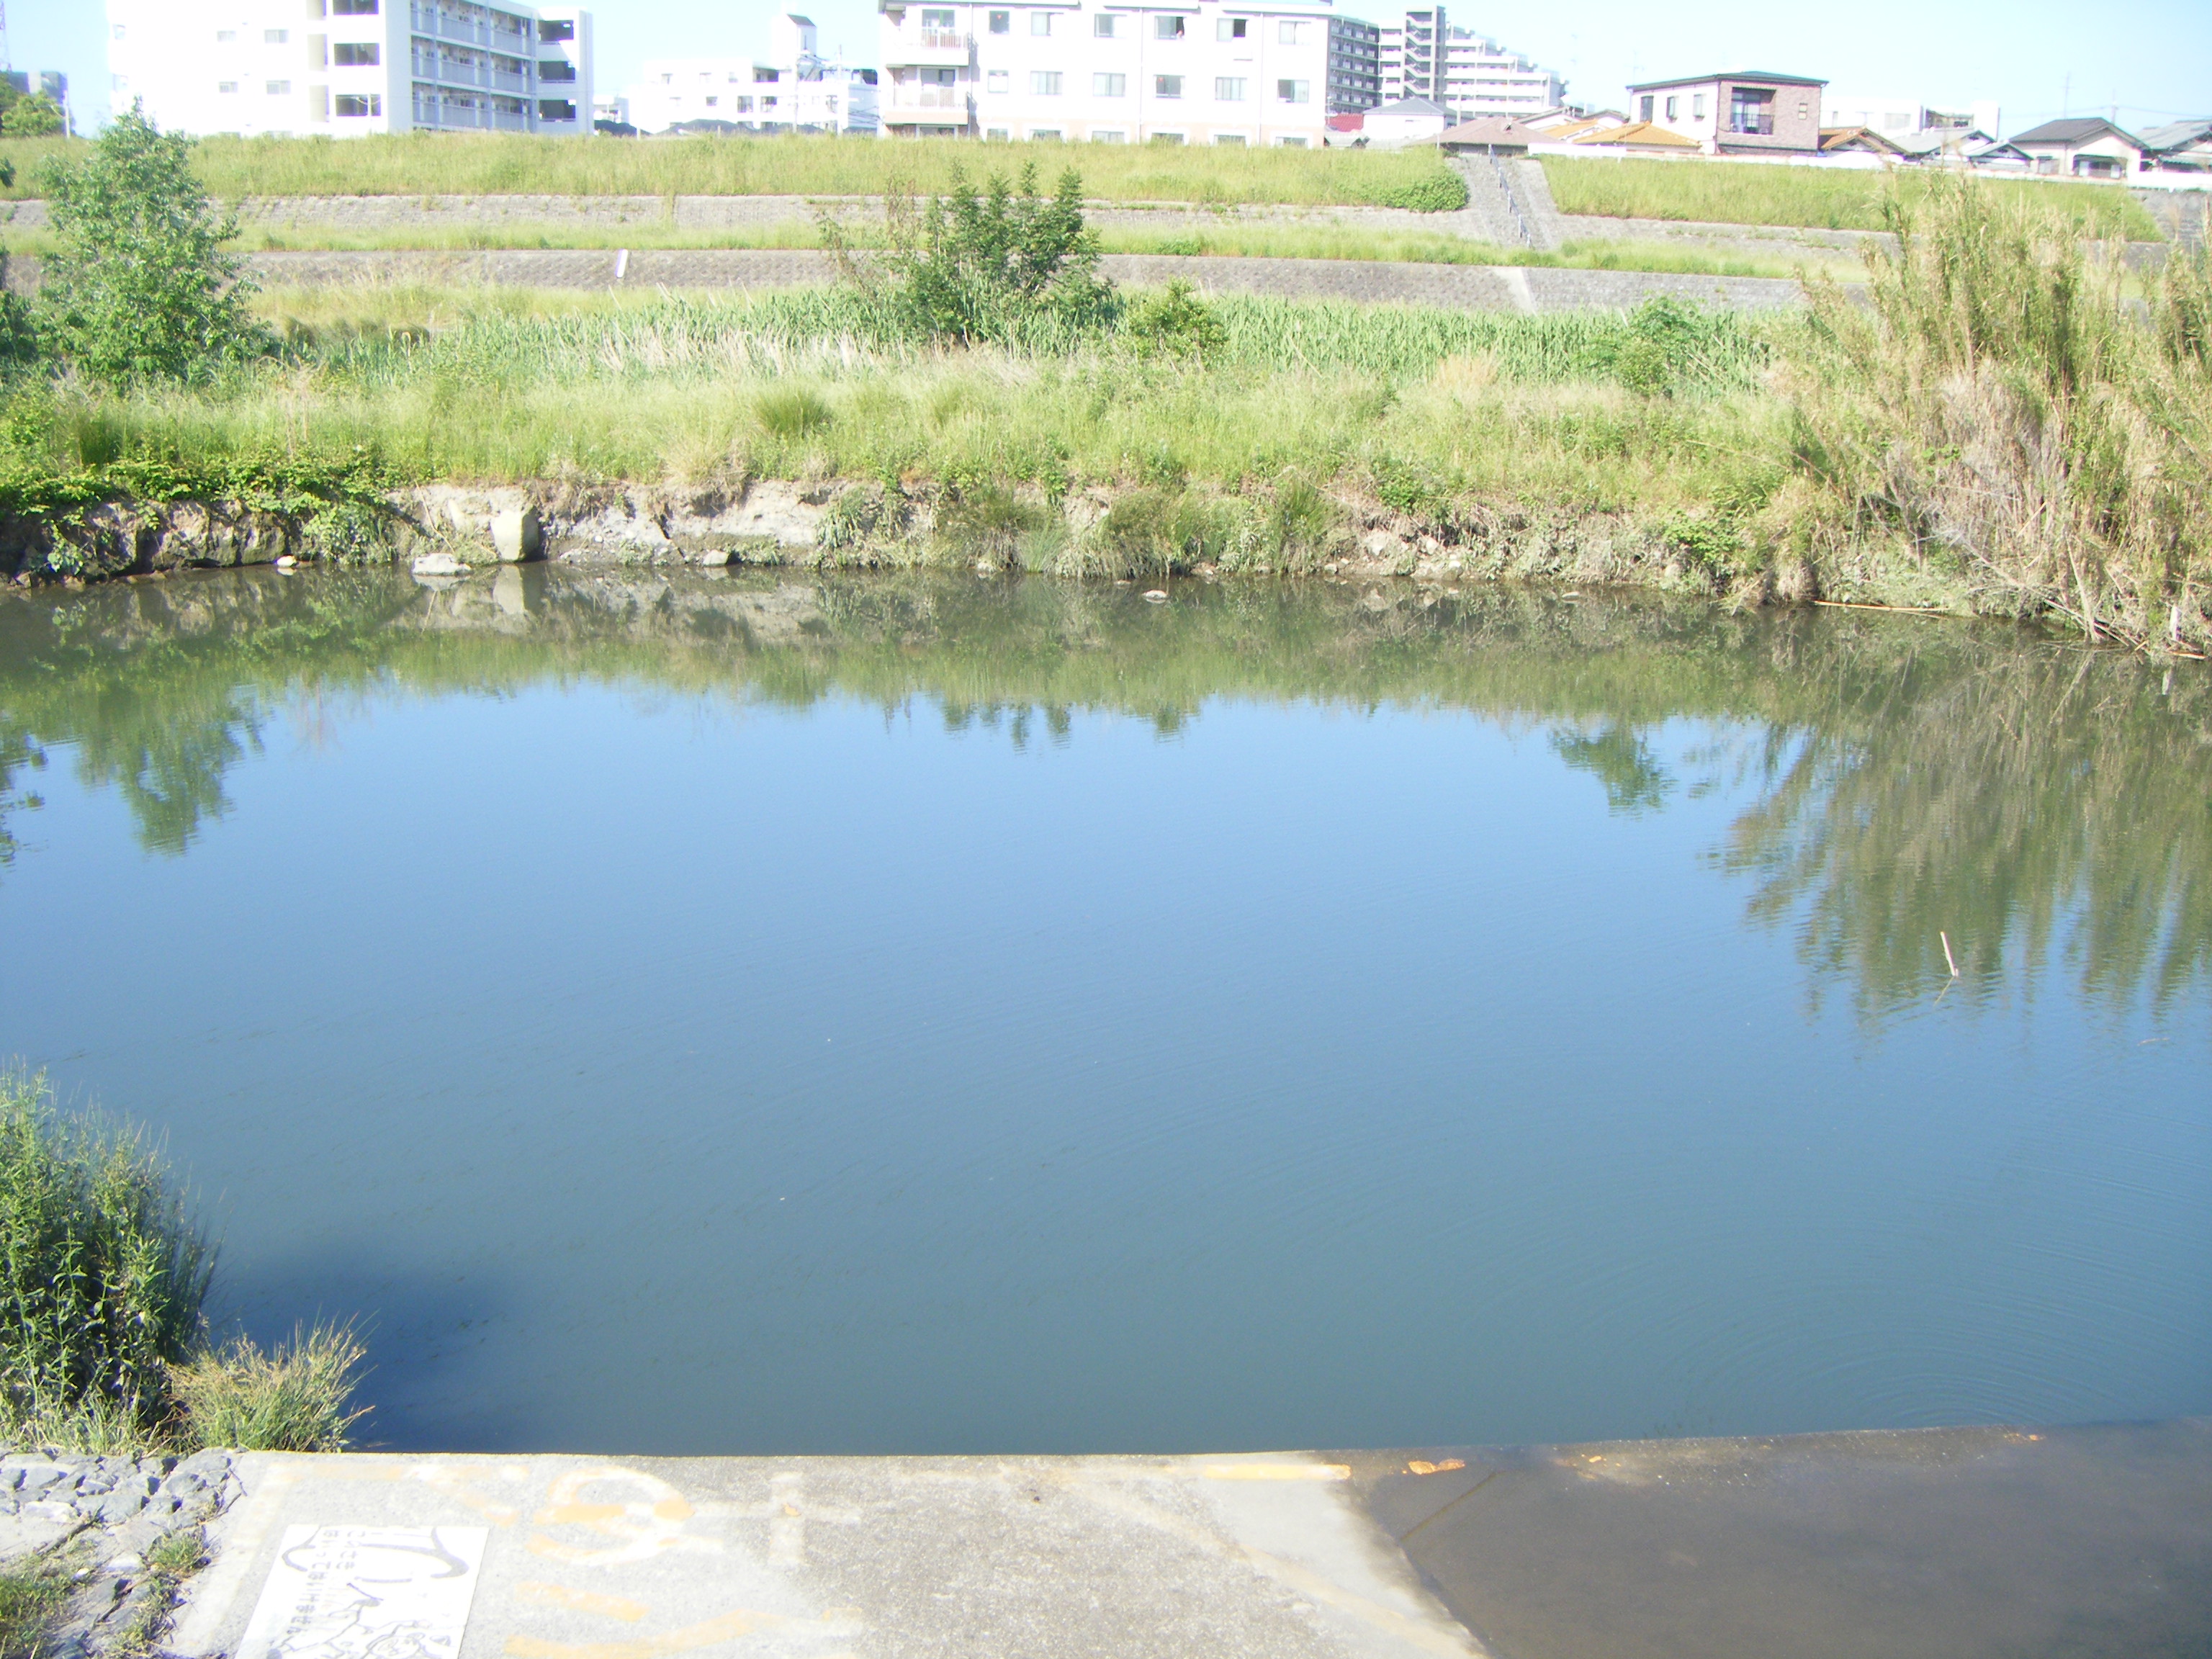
517 535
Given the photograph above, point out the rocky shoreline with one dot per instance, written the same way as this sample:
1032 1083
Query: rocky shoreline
109 1528
442 531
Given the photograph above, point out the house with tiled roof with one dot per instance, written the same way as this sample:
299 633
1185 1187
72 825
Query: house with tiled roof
2179 146
2081 147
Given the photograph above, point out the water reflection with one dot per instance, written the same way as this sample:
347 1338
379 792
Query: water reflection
2042 807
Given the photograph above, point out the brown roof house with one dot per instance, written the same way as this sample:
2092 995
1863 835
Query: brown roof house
1747 113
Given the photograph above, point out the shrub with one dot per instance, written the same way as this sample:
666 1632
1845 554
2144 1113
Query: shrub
970 267
1177 322
1443 192
791 414
101 1277
137 287
37 116
296 1397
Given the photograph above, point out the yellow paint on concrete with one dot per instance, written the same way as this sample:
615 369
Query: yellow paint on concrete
1278 1472
560 1596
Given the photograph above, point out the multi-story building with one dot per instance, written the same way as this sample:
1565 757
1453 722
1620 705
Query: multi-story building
1746 113
341 68
1425 56
1355 66
791 90
1109 71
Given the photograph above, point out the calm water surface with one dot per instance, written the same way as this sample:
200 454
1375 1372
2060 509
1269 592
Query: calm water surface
871 1015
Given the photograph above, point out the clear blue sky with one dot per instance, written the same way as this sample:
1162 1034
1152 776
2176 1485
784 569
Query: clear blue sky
2152 58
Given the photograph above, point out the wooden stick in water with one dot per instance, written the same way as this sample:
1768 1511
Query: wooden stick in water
1948 957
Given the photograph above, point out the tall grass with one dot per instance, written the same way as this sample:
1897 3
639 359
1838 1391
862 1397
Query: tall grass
296 1397
1820 198
101 1277
1999 405
456 164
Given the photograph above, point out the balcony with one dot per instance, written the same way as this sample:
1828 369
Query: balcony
508 81
938 48
922 97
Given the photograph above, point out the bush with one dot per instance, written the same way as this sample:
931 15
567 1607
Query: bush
970 267
137 288
1443 191
101 1277
35 117
294 1398
1177 322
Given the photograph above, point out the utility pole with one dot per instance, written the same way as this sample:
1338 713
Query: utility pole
4 64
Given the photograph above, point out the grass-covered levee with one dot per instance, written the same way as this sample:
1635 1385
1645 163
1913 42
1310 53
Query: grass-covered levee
1999 420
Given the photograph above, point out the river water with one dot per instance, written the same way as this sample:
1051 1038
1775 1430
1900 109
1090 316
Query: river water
875 1014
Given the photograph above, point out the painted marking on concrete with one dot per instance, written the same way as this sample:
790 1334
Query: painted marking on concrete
353 1592
1278 1471
642 1527
708 1633
560 1596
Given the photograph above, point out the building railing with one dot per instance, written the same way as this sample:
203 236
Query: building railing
903 97
943 40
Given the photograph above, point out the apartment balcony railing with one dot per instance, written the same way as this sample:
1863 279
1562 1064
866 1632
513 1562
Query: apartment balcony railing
938 38
507 81
428 20
928 98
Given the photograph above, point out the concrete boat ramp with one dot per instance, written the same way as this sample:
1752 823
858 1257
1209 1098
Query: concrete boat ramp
1951 1542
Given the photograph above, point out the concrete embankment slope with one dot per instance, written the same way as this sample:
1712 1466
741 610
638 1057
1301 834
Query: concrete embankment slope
1958 1543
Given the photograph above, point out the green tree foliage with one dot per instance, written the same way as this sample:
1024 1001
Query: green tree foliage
1178 322
138 287
35 117
974 266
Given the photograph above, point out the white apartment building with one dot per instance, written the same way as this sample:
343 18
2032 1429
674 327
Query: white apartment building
791 90
1425 56
341 68
1108 71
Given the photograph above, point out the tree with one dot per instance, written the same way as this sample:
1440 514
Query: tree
34 117
139 288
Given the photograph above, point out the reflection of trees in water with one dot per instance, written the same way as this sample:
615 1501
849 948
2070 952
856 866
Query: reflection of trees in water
2035 802
2032 802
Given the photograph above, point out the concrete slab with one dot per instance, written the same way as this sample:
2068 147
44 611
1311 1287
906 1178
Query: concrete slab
834 1558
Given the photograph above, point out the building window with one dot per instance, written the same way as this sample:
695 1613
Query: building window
744 106
1287 34
280 89
1167 86
358 103
1230 89
556 29
1751 109
712 102
355 54
1804 111
1001 22
994 134
1291 143
1168 29
1697 106
1229 140
1103 24
1050 134
1108 86
1044 83
555 109
275 37
1674 109
1643 107
995 81
934 19
1040 22
224 35
225 86
367 8
1167 138
760 74
1228 29
559 69
118 31
1106 137
1293 92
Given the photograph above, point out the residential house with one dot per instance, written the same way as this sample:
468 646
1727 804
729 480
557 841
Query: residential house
790 89
345 68
2081 147
1641 135
1110 71
1747 113
2179 146
1405 121
1487 134
1863 140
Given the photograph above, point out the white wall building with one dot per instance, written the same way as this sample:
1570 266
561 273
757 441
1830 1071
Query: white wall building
1425 56
790 89
341 68
1907 119
1106 72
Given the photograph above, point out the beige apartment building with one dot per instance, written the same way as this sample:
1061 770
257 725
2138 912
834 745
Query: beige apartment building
1088 72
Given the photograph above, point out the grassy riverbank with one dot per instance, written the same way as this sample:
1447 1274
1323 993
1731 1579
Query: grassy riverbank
1814 198
498 164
